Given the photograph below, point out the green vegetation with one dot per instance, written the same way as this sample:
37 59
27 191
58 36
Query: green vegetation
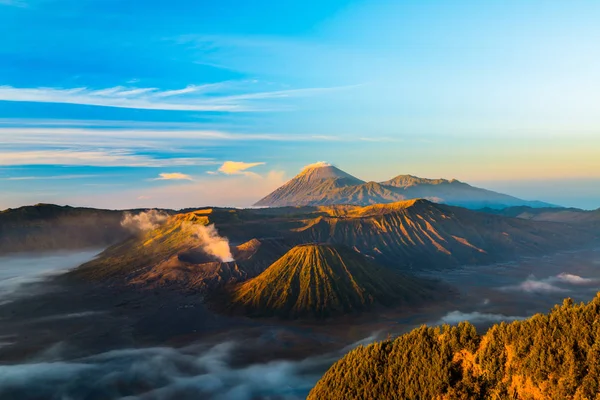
320 280
554 356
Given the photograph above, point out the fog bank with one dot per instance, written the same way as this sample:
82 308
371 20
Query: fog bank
19 270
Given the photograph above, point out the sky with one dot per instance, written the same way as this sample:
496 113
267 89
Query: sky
186 103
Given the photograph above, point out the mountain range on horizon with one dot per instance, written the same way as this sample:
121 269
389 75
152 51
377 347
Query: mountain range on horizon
322 183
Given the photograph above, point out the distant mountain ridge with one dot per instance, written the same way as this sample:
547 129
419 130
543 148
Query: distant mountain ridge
47 227
325 184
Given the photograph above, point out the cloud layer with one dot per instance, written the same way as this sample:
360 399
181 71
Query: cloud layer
163 373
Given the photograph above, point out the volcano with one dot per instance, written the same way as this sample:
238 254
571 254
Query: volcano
323 280
174 255
314 182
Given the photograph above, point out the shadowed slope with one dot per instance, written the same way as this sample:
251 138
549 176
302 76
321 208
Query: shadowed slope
193 269
423 234
319 280
363 194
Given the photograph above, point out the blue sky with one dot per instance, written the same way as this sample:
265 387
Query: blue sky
114 103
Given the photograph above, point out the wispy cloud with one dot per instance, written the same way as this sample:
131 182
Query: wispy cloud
173 176
45 132
209 97
25 135
238 168
45 178
121 158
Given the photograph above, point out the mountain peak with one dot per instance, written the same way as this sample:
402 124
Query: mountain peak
323 170
321 280
313 182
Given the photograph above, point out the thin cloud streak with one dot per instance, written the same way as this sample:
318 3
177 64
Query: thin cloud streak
17 134
190 98
98 158
47 135
54 177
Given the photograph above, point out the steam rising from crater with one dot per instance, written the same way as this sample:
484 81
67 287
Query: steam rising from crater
144 221
211 242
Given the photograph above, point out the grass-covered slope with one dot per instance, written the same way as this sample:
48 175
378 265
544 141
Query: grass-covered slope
320 280
554 356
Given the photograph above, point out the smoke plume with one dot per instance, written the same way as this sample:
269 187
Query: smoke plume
211 242
144 221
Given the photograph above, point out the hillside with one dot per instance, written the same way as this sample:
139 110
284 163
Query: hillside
363 194
554 356
320 280
421 234
185 252
324 184
45 227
